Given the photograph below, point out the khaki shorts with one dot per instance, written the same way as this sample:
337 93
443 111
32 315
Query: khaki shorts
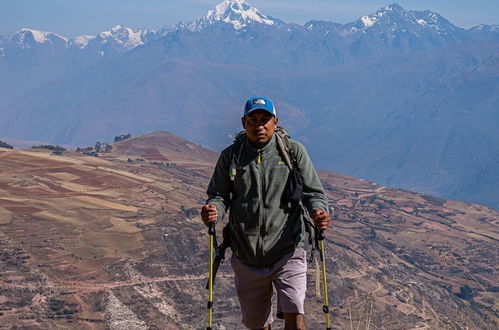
254 286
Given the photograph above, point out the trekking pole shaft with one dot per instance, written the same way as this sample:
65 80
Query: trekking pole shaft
325 308
211 233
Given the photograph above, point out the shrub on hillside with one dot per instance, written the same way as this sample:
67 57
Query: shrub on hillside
5 145
58 150
465 292
122 137
103 147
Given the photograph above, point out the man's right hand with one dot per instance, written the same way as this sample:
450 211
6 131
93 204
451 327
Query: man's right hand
209 214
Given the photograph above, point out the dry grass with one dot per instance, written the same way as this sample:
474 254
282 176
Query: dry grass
99 203
115 244
65 176
122 226
5 216
126 174
61 218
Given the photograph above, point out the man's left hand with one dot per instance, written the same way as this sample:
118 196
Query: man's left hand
321 219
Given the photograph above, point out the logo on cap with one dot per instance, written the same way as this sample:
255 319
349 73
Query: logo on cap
259 101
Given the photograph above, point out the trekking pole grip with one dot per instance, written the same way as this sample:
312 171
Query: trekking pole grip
211 229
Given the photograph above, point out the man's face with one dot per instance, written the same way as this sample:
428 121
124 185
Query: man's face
260 125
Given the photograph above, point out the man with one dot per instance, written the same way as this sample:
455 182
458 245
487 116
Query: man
266 232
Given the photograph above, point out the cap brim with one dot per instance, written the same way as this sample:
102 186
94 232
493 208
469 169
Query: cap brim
251 110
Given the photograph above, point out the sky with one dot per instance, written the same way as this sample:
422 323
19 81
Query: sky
71 18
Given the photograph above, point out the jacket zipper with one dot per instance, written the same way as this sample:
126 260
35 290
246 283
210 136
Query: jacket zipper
262 202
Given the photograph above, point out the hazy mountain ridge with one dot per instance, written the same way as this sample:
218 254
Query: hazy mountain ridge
392 24
486 32
389 29
403 98
118 238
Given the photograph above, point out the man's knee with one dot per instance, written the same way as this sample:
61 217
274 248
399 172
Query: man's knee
294 321
266 328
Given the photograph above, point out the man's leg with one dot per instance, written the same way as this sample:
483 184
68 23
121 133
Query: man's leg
290 281
294 321
254 291
266 328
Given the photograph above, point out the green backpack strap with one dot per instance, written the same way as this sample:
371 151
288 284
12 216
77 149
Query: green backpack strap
289 157
284 145
235 153
284 149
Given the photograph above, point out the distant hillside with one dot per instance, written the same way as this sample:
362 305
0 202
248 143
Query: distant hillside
93 242
163 147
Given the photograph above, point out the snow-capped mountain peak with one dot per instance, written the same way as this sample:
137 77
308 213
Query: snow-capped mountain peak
391 10
38 36
27 37
123 36
395 18
42 36
394 7
236 12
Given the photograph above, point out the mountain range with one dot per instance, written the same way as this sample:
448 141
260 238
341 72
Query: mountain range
401 97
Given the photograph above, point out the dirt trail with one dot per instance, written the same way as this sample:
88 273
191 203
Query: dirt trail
83 286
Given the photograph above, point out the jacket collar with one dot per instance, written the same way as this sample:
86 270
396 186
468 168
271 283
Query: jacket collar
270 146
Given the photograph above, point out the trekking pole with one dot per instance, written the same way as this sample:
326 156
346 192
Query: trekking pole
211 233
325 307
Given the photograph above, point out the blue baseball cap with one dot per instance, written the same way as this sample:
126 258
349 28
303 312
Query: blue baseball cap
259 102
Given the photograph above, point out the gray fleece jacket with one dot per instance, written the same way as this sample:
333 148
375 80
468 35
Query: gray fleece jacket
263 228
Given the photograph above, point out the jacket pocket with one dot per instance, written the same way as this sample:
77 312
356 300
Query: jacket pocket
246 215
276 181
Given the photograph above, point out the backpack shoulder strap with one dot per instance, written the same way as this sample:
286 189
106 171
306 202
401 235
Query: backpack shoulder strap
235 153
284 145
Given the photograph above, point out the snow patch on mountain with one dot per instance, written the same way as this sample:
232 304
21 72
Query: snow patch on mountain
123 36
39 36
368 21
82 41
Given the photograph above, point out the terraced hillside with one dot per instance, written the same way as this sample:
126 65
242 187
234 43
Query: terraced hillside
116 242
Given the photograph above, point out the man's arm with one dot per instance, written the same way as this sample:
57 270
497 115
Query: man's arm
314 197
218 191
